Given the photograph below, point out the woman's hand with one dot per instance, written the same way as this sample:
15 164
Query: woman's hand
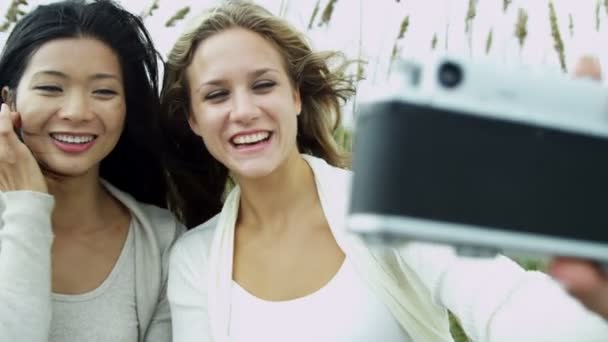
18 167
585 281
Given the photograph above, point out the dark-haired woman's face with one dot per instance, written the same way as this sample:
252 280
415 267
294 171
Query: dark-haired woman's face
72 104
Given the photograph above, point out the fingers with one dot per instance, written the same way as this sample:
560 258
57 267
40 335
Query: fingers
16 119
588 66
585 281
577 274
8 138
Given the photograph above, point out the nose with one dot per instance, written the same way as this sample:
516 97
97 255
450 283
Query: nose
76 108
244 107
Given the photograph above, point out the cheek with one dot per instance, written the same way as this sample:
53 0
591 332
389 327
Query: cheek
114 113
35 110
209 122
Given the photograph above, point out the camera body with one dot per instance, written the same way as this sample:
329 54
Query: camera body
486 158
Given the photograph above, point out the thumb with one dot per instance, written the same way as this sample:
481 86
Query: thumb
588 66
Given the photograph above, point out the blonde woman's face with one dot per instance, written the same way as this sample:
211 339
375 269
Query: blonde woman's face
244 106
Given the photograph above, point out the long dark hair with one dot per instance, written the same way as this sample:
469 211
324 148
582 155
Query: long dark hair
134 165
197 177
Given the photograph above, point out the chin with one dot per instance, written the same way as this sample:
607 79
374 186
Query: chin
253 170
253 173
67 169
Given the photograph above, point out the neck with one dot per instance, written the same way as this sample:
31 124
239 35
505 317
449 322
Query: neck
79 202
273 202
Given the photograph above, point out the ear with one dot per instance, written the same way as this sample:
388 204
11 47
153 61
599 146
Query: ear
297 100
193 124
7 97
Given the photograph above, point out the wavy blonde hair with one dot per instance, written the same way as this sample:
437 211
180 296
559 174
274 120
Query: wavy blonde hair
322 89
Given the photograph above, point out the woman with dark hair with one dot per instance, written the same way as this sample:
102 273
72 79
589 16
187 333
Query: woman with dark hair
84 235
277 263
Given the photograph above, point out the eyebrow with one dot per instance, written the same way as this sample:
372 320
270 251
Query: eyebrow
252 74
62 75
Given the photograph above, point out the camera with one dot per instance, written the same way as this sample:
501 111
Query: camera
487 158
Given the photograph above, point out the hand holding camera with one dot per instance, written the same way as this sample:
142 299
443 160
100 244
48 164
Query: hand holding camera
18 167
585 280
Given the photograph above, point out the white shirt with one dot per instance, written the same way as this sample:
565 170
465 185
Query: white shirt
494 299
345 309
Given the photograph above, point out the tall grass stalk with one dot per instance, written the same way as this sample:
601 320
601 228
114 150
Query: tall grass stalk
13 13
489 41
327 13
558 44
405 23
521 27
314 15
471 13
597 15
179 15
150 10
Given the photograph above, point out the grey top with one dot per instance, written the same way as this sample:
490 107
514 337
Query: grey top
107 313
25 266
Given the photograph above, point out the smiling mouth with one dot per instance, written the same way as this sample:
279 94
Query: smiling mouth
247 140
75 139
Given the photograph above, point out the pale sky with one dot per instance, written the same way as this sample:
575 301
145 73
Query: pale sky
368 28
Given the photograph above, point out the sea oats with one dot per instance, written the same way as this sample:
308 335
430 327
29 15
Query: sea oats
327 12
179 15
471 13
521 31
489 42
314 15
558 44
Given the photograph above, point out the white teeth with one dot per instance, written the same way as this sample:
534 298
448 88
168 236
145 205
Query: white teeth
73 139
250 138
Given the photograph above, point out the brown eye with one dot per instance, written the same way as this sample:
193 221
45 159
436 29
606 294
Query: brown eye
48 89
264 85
105 93
216 95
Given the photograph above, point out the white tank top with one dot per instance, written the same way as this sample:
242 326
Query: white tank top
345 309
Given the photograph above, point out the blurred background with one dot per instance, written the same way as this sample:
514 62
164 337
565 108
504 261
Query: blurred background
551 33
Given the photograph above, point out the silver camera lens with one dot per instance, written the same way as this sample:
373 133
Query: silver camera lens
450 75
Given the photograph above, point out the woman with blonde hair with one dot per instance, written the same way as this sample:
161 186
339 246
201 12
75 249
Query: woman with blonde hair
276 264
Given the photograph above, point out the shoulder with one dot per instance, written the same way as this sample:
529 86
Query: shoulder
327 175
195 244
163 225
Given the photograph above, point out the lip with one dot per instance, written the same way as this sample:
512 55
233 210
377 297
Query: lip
253 149
73 148
248 133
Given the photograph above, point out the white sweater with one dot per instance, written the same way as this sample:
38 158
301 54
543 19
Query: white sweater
25 265
494 299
